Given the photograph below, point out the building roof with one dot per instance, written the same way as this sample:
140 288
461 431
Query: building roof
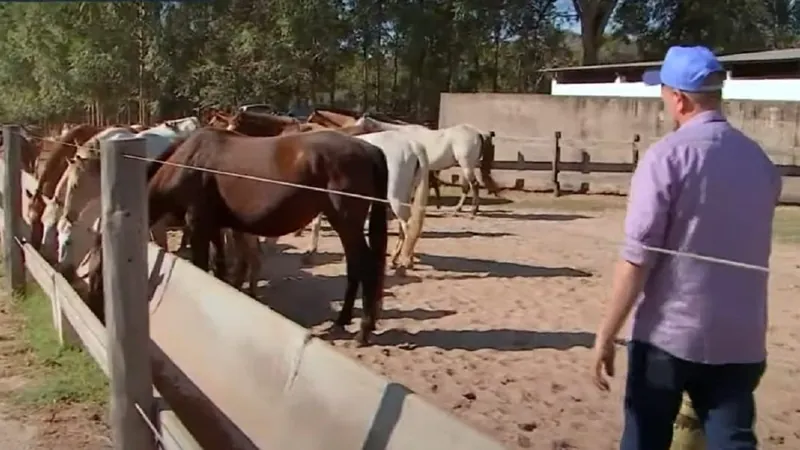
789 54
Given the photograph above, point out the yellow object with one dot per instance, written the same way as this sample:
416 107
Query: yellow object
688 431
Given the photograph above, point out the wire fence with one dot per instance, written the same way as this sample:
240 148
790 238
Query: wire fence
609 241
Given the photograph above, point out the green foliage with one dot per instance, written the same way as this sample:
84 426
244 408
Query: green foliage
117 62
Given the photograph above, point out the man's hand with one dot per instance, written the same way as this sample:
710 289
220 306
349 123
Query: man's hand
604 353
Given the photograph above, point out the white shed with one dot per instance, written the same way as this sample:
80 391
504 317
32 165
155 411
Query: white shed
772 75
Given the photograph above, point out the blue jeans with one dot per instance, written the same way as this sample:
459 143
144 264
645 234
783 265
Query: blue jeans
722 396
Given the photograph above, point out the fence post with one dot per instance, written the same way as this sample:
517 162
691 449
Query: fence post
124 230
556 163
12 209
635 150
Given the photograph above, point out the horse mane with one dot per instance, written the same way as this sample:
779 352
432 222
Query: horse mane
265 117
341 111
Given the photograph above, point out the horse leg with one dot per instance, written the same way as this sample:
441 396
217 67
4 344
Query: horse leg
464 190
402 235
200 239
254 260
434 182
220 266
316 224
185 239
476 198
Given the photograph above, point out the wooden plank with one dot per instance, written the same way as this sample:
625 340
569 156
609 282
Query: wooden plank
125 235
91 333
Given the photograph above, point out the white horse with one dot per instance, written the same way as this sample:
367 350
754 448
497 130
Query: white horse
462 145
408 168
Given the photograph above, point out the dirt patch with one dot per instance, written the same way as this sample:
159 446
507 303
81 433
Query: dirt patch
496 321
31 414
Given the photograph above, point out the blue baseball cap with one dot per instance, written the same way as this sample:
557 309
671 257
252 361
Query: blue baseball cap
685 69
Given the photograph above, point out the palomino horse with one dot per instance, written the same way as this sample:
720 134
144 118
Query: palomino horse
462 145
320 160
407 165
52 168
333 117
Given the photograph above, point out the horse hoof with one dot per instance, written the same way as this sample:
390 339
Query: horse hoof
307 259
361 339
400 271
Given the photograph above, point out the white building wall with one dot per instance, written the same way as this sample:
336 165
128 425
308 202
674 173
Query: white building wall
774 90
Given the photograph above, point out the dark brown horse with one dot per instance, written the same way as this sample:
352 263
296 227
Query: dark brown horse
54 166
323 159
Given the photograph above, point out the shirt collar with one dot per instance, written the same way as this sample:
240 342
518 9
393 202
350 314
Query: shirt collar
705 117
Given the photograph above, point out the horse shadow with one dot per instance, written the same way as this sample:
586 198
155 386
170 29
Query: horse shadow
504 340
496 269
308 299
452 200
460 234
544 217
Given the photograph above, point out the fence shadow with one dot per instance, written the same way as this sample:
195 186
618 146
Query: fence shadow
506 340
496 269
386 418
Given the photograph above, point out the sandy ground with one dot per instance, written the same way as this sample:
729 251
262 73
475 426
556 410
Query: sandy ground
496 321
52 427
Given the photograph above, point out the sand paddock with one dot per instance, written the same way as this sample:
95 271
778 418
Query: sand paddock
496 321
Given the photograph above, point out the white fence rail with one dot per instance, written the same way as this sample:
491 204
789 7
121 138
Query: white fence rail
240 375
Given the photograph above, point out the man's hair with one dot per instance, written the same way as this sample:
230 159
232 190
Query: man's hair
709 99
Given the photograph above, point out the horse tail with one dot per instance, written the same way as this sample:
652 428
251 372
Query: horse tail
378 222
487 159
153 167
420 200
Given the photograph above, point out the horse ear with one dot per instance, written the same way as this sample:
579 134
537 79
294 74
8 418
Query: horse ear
491 134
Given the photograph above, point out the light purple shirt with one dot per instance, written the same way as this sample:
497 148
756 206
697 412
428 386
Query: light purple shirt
707 189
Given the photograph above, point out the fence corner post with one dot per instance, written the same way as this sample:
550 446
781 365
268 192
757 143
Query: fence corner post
635 150
12 209
124 225
555 165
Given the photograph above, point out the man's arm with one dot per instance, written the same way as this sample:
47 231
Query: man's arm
649 203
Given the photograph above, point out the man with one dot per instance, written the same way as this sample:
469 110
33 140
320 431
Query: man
699 327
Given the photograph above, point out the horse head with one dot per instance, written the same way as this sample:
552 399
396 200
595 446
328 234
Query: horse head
79 185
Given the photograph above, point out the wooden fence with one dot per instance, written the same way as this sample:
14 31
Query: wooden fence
578 166
236 374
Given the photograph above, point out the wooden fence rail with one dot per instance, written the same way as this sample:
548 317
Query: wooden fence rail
557 165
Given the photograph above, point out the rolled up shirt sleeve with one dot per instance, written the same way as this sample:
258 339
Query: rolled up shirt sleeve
649 204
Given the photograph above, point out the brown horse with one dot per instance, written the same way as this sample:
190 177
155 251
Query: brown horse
323 160
54 166
252 123
30 152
